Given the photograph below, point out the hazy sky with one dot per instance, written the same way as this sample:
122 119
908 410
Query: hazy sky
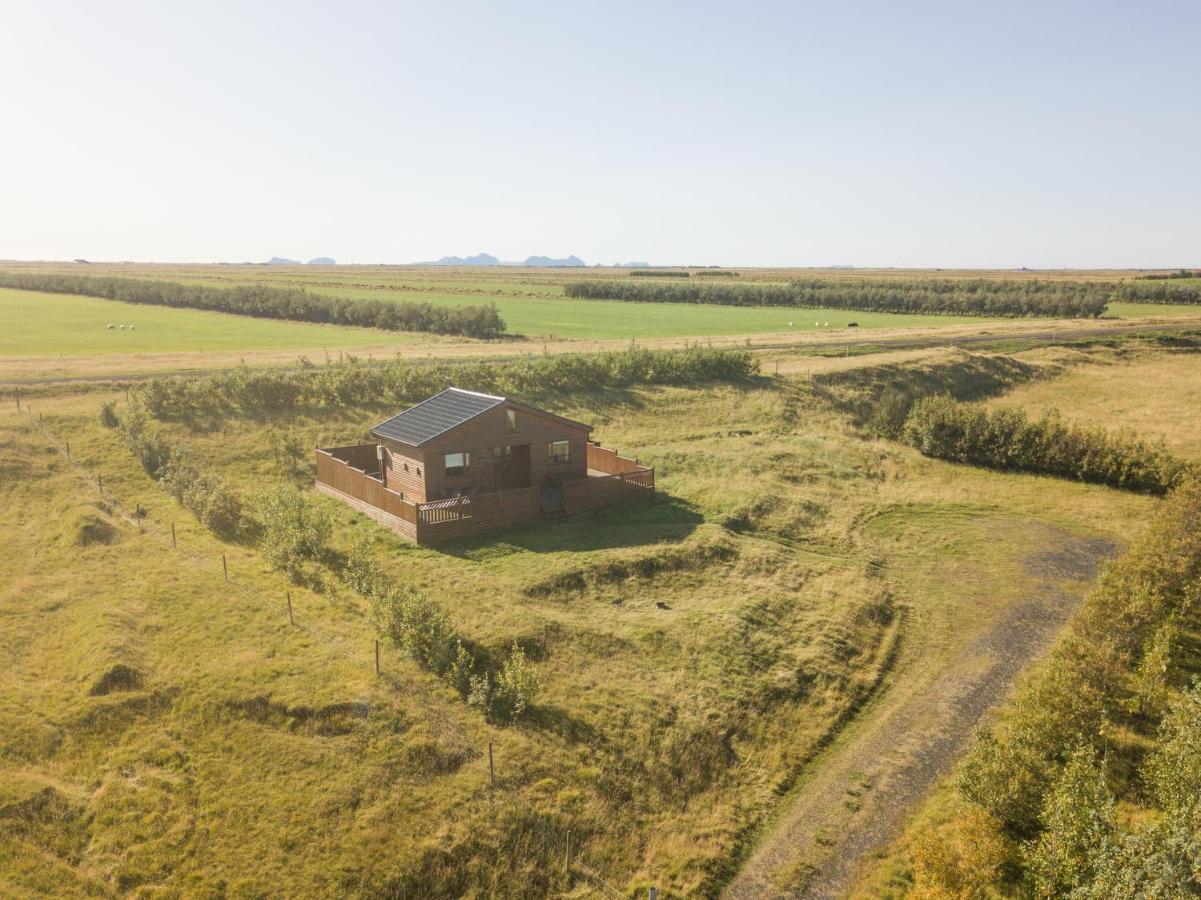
908 134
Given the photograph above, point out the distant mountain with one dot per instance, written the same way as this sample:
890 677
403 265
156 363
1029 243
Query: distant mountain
322 261
280 261
480 259
550 261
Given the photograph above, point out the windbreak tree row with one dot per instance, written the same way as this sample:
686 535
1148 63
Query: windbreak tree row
1158 292
293 304
968 297
350 381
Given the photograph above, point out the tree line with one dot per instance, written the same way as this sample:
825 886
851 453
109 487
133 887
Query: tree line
1110 719
348 381
968 297
655 273
261 301
1158 292
1008 440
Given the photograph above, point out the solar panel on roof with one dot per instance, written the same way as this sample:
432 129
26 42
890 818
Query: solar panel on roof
438 414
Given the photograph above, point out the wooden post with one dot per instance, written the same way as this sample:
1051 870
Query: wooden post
17 394
291 620
377 656
224 567
68 449
491 777
100 482
173 542
654 893
567 855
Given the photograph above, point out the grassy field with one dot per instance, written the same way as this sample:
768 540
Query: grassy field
34 324
696 652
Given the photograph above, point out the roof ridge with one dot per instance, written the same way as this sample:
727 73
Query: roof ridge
473 393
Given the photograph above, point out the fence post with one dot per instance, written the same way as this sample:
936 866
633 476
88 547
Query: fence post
68 443
567 856
290 619
224 567
17 394
100 482
654 893
173 543
491 777
377 656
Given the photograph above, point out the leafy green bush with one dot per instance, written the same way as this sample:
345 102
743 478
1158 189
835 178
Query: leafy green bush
108 414
295 528
265 302
966 297
1005 439
1159 292
347 380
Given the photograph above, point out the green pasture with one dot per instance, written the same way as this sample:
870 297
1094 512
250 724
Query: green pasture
35 324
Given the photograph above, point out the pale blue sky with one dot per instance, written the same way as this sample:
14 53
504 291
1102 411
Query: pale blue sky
908 134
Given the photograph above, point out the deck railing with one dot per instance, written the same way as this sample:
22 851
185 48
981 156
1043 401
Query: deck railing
353 471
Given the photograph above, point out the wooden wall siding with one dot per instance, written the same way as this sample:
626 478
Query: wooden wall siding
445 520
361 456
595 492
487 430
411 482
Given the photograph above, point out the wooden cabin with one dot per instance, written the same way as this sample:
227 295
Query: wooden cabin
464 463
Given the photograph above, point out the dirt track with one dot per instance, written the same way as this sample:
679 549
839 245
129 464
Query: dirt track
861 791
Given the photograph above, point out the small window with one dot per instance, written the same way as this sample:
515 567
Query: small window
558 452
456 463
510 420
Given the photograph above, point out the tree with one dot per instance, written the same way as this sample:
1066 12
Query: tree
294 528
1078 824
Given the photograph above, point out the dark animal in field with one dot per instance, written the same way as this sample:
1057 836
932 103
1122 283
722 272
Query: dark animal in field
852 324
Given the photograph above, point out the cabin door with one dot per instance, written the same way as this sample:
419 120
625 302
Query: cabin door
514 467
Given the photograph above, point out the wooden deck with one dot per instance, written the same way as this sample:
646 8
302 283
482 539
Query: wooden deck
351 473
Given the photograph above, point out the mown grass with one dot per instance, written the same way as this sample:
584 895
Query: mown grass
36 324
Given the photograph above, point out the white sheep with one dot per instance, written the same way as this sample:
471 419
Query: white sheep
825 324
122 326
131 328
110 326
789 324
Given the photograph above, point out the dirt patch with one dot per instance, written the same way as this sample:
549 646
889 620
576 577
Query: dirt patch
858 797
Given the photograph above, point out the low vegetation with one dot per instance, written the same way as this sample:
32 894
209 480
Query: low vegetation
658 273
1006 439
975 297
349 380
1089 784
293 304
1167 291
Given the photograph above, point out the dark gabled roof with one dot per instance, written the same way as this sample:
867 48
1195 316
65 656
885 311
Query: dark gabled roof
438 414
442 412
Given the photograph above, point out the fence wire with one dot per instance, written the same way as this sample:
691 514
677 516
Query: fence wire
335 644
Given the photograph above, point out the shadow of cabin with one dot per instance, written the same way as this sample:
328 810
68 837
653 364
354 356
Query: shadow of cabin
463 464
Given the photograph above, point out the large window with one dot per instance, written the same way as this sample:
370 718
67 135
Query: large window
558 452
457 463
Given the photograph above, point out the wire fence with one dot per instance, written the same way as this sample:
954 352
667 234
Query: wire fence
433 708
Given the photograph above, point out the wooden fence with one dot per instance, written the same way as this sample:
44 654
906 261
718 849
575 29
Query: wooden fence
352 474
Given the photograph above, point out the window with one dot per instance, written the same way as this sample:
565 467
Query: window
510 420
503 455
457 463
558 452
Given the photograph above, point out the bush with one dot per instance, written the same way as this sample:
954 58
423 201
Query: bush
294 528
1135 292
653 273
1005 439
967 297
265 302
348 380
108 414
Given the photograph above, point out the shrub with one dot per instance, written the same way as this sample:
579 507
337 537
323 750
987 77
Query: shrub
966 297
1159 292
348 380
515 687
1005 439
108 414
261 301
294 528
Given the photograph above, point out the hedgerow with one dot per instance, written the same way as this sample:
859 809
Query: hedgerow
1034 812
347 380
1165 292
968 297
293 304
1006 439
656 273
